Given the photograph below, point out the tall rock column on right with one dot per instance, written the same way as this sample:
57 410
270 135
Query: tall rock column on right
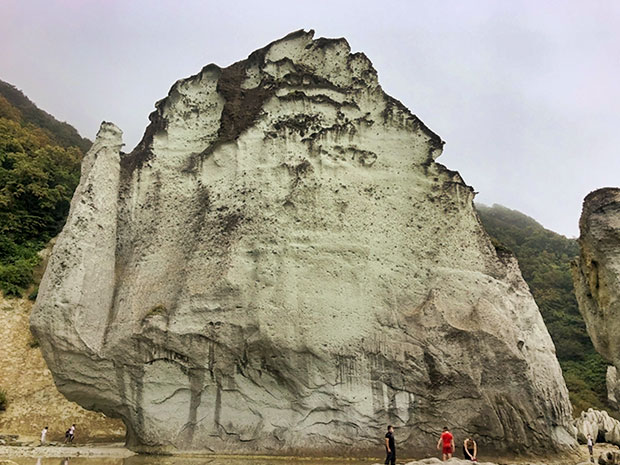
597 275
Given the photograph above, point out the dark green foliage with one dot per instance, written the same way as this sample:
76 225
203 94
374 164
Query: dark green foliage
37 178
585 380
544 258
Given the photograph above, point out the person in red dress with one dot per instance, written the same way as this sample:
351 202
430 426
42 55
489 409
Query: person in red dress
446 444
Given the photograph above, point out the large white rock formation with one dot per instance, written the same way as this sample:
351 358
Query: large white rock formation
281 266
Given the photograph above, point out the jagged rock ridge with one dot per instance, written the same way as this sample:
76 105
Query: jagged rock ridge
281 266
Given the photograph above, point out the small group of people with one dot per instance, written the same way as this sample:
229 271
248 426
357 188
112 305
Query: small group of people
445 444
69 435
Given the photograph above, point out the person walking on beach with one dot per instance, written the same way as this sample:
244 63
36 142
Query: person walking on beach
591 447
446 444
470 450
390 447
70 434
43 435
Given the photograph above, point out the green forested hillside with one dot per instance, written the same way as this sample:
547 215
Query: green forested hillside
544 258
39 170
63 134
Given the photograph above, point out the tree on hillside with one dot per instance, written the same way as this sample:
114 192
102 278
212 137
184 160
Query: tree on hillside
63 134
37 179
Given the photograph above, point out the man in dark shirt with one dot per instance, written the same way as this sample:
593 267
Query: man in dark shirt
390 448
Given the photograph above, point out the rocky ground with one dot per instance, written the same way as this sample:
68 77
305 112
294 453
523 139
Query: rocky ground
59 450
33 400
579 456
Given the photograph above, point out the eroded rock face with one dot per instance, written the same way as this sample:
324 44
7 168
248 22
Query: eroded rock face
597 276
281 266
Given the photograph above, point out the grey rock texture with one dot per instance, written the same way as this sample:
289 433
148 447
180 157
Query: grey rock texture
596 275
611 381
280 266
599 425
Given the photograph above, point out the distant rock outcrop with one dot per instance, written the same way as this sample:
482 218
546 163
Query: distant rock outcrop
280 266
599 425
597 276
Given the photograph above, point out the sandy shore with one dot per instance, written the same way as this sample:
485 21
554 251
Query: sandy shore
116 450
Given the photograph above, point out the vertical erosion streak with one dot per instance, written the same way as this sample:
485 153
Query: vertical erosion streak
138 401
196 382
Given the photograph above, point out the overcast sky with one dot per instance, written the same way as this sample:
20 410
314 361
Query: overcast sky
526 94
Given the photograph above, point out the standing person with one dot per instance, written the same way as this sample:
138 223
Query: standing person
390 447
43 435
470 450
591 447
72 433
446 443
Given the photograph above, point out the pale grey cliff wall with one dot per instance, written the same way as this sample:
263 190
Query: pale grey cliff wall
597 276
281 266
